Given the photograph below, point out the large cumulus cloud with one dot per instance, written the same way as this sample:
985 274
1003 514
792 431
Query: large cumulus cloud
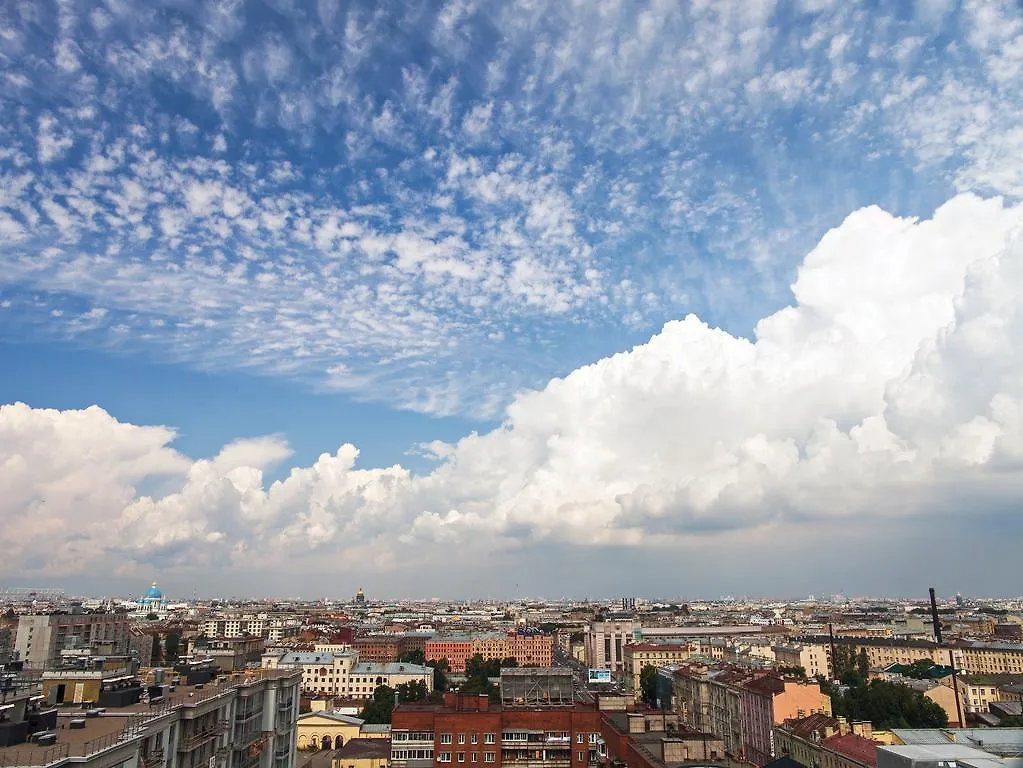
892 386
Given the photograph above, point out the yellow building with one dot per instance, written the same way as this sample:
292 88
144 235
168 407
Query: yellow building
811 657
639 655
980 658
979 691
329 730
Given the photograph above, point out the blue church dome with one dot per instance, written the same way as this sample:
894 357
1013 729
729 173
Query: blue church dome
153 593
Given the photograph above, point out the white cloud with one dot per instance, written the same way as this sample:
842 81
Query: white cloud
51 143
895 377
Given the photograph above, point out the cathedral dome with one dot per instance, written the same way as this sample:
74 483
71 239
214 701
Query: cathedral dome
153 593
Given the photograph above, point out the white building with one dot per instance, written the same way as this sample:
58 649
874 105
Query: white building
342 674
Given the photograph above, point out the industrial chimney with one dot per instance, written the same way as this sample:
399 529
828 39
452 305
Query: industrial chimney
934 616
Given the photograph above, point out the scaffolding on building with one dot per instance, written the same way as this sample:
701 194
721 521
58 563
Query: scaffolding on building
536 686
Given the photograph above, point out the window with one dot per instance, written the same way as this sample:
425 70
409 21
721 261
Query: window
580 738
444 757
445 738
489 738
473 738
580 756
461 757
475 757
488 757
461 738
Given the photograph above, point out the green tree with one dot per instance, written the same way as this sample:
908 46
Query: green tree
648 684
412 691
157 656
379 708
794 671
171 646
886 705
440 676
863 662
919 669
1012 721
415 656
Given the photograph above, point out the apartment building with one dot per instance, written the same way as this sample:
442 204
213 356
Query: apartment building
273 629
231 653
743 706
344 675
658 740
768 701
605 641
381 649
457 649
470 731
529 650
246 721
972 657
639 655
978 692
40 638
811 657
821 741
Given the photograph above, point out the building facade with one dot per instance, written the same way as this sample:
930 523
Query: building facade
41 638
468 731
246 722
343 675
639 655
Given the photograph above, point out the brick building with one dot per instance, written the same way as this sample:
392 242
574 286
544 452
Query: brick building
381 649
529 650
467 731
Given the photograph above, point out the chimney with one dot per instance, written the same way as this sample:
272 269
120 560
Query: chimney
843 726
863 728
934 616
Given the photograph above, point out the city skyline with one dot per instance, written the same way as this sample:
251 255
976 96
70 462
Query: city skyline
477 297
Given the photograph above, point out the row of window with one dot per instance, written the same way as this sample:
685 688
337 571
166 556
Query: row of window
412 754
488 738
488 757
411 736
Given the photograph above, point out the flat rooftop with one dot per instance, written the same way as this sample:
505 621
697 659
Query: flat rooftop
109 729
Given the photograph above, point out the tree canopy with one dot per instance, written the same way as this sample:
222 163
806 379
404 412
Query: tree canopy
413 657
648 684
478 672
886 705
379 708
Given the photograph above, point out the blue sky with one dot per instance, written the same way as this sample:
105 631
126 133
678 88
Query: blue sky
377 223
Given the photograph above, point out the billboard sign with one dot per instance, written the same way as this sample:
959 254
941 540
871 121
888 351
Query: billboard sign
599 676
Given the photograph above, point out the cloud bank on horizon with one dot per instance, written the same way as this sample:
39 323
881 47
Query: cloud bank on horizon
454 207
892 388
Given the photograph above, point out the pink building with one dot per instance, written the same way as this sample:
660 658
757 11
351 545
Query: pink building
770 700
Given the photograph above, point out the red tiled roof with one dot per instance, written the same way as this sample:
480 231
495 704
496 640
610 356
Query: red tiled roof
805 727
854 746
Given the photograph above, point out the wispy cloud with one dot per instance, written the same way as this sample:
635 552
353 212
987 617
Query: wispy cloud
438 204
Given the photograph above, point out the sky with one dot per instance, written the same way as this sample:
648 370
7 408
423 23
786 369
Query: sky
569 298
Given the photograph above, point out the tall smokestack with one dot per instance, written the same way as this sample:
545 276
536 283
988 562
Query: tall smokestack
934 616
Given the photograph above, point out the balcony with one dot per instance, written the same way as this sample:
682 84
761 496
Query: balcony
244 717
554 762
200 737
153 759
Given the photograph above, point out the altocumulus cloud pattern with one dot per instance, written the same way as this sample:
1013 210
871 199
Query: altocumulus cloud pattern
443 205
